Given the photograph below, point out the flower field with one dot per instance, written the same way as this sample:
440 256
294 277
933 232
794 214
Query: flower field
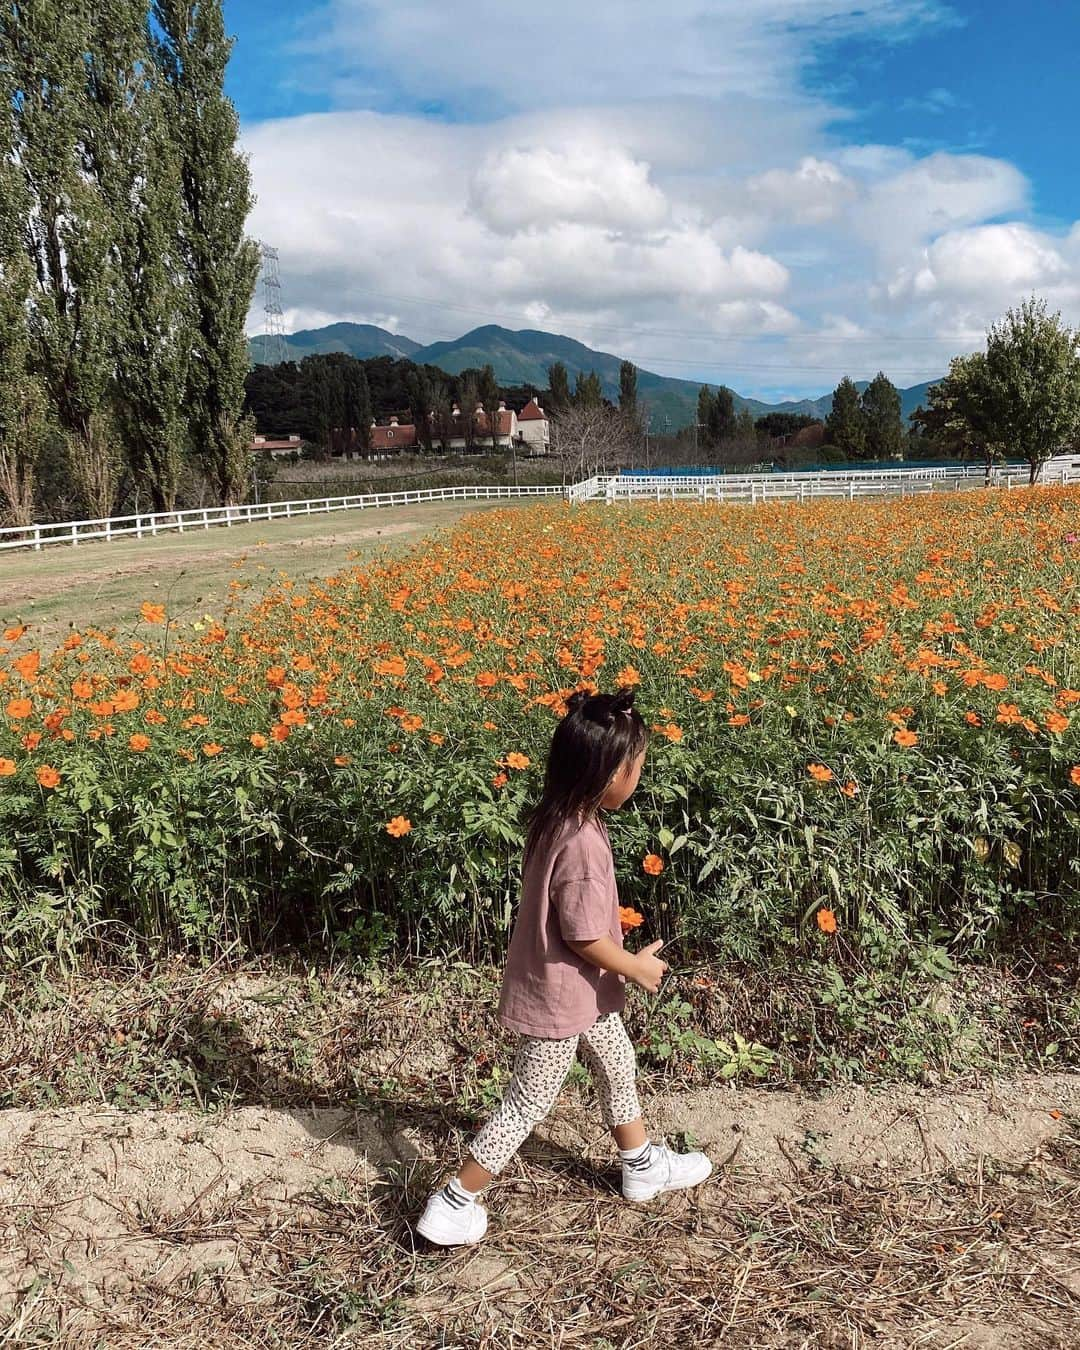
864 737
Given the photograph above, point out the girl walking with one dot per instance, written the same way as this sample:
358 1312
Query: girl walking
564 984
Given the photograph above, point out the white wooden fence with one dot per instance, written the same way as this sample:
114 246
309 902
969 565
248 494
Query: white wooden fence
203 518
753 488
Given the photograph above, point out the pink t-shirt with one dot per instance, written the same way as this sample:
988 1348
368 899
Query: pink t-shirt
568 894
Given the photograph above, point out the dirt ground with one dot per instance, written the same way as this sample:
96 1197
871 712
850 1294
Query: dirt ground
105 583
897 1218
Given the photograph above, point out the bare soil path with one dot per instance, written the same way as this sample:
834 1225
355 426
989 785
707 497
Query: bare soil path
105 583
896 1218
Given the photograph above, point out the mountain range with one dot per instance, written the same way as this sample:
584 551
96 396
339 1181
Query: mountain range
523 357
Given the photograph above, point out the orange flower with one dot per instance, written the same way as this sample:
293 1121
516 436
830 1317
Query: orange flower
343 761
628 676
514 760
826 920
211 748
13 635
258 740
629 918
436 739
905 738
500 780
47 776
280 732
411 722
972 719
850 789
18 708
653 864
399 826
672 732
152 613
31 740
275 677
28 665
82 688
486 680
1056 722
7 767
1074 775
138 742
819 773
293 717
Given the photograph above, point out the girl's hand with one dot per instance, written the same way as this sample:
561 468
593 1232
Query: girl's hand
649 970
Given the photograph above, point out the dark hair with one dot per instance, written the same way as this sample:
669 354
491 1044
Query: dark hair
599 733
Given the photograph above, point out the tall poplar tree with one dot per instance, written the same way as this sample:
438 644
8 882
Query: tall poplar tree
135 164
66 226
221 263
559 385
22 403
628 388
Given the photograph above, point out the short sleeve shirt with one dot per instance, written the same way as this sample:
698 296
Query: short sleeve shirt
568 894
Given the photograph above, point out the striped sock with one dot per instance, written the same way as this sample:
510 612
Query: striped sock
456 1196
637 1159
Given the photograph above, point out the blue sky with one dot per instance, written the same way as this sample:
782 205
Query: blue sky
771 195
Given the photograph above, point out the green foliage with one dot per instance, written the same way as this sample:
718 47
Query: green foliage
559 385
1033 378
845 426
880 407
959 416
628 388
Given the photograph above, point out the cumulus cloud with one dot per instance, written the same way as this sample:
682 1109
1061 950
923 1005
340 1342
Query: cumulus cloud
654 181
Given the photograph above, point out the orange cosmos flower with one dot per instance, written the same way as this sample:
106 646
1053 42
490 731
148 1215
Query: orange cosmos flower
629 675
399 826
138 742
1056 723
293 717
973 719
343 761
515 760
653 864
7 768
1074 775
826 920
47 776
486 680
211 748
672 732
152 613
258 740
905 739
28 665
850 789
411 722
500 780
82 688
819 773
280 732
31 740
18 708
629 918
275 677
13 635
436 739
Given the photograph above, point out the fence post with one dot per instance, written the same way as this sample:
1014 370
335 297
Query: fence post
138 527
74 535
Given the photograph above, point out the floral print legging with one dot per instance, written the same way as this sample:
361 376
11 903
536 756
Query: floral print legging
540 1069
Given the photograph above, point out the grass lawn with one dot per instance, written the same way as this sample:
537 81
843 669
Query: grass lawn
103 584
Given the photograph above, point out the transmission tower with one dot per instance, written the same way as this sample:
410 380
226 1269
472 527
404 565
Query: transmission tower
274 345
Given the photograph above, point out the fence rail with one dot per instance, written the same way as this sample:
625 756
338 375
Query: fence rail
203 518
610 488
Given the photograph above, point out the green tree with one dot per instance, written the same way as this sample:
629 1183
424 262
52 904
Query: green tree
880 405
422 401
1033 376
488 387
65 223
721 422
628 388
559 386
704 408
356 403
220 262
22 400
468 398
845 426
958 417
132 158
588 392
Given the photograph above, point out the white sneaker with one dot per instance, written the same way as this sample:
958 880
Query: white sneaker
450 1223
667 1171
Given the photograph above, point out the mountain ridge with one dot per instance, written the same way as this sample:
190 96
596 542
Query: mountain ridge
522 356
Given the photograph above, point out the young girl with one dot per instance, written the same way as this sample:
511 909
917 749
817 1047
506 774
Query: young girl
563 988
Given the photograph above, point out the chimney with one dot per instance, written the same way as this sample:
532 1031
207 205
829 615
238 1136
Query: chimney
393 421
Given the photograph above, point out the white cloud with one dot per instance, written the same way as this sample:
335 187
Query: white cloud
519 188
652 180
